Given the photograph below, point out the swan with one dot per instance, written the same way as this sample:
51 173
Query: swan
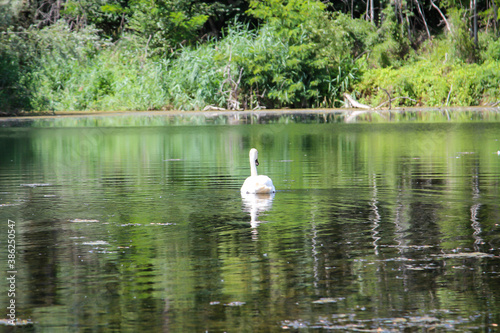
256 184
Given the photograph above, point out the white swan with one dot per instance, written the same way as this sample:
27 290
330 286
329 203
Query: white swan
256 184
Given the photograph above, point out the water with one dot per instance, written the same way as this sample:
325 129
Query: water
391 226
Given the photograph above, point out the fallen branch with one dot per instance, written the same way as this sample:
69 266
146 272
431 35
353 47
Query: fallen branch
388 95
442 15
350 102
395 98
423 19
213 108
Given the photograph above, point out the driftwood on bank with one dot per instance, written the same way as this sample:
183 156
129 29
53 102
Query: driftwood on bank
350 102
213 108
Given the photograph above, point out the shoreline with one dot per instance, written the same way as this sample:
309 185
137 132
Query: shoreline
212 113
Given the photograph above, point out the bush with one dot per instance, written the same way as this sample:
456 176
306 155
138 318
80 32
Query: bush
301 66
462 44
117 78
13 92
58 69
390 43
193 80
301 57
490 44
78 70
433 84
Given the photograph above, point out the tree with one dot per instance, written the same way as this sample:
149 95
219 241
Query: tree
109 16
167 24
392 43
288 74
308 61
462 43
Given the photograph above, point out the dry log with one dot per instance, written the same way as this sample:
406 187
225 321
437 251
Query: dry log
213 108
350 102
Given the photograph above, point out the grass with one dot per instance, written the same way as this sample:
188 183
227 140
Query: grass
432 84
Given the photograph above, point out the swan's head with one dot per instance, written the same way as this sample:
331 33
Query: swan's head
254 154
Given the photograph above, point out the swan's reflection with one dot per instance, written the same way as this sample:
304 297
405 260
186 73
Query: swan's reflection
256 204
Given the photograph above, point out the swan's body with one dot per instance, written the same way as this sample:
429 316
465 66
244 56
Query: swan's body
256 184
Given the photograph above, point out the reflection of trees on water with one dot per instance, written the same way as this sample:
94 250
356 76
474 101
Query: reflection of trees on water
375 215
418 213
474 211
370 228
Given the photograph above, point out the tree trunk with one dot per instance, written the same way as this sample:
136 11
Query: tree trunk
442 15
368 10
408 25
474 3
372 11
423 18
495 16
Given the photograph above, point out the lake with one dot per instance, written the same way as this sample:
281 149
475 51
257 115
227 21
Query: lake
135 223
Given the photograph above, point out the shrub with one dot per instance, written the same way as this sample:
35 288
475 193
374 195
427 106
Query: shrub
490 44
433 84
390 43
13 92
462 44
301 57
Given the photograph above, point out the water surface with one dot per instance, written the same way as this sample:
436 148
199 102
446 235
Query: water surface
391 226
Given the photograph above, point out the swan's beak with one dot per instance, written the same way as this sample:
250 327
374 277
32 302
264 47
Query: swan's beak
256 162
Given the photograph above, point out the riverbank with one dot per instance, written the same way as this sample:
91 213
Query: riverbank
58 68
284 116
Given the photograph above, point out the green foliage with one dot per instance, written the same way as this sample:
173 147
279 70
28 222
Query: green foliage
462 44
106 15
433 84
166 24
115 79
13 92
390 43
348 35
71 70
8 13
301 57
279 68
286 15
56 54
489 47
193 79
138 54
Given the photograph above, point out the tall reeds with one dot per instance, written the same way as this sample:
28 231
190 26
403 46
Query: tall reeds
78 70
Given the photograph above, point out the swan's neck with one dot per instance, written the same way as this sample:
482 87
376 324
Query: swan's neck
253 168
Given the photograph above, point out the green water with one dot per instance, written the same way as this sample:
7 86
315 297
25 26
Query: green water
392 226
